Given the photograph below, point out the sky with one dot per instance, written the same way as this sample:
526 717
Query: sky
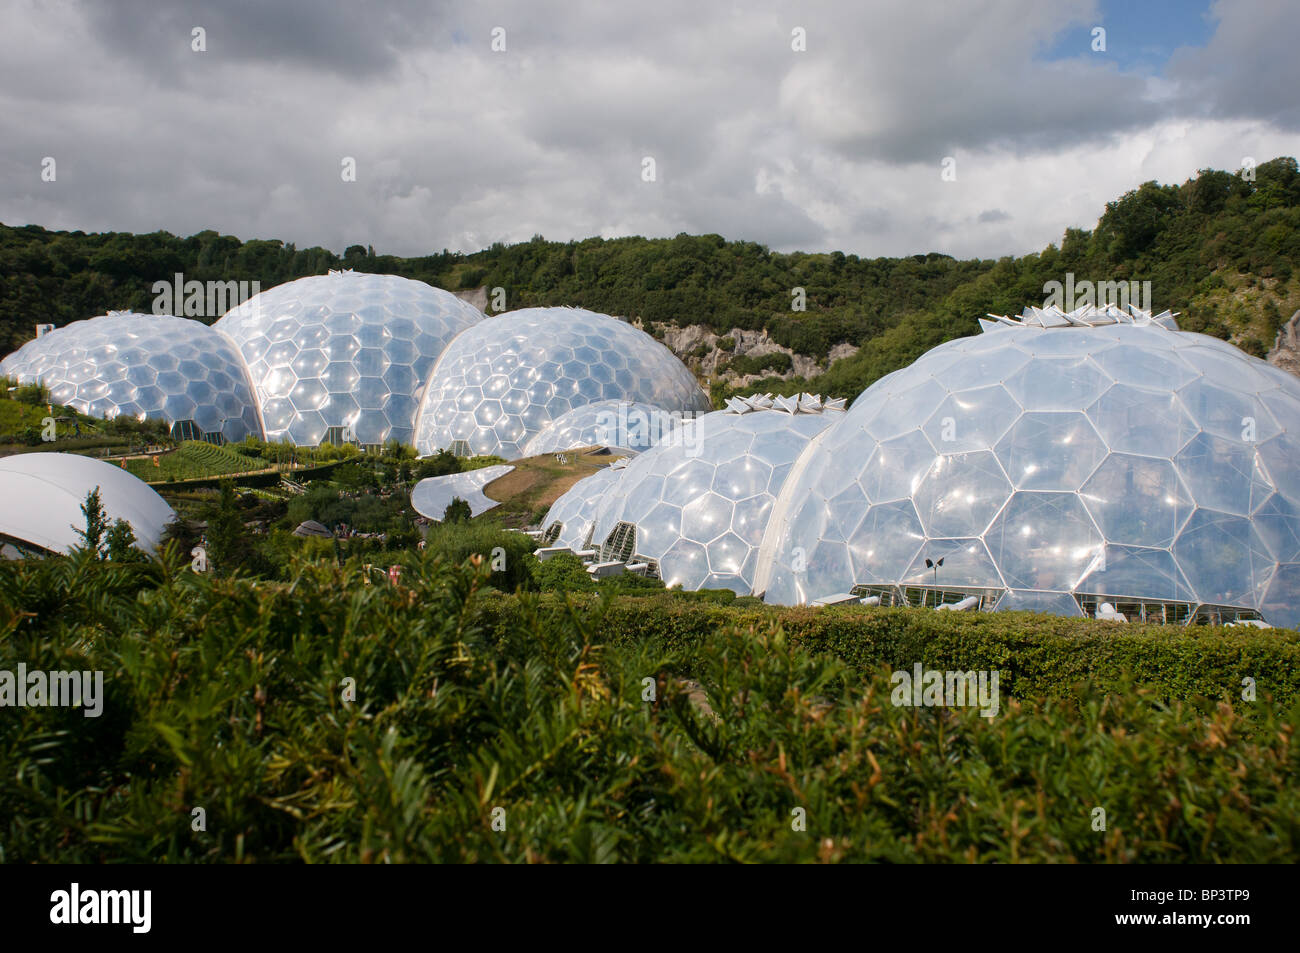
967 127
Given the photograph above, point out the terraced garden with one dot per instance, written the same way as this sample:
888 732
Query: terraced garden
193 460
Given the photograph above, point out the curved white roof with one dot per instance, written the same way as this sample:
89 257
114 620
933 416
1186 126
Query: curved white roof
431 497
624 424
41 496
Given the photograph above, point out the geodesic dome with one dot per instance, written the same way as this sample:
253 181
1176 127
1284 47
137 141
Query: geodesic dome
696 505
1054 463
571 518
622 424
152 366
344 356
508 377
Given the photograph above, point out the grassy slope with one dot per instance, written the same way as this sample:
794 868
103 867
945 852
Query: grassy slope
193 459
537 482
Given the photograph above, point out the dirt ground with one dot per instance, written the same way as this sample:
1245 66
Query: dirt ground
537 482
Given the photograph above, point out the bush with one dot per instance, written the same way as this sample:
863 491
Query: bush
456 543
457 511
1036 654
477 463
35 394
778 362
439 464
563 572
227 693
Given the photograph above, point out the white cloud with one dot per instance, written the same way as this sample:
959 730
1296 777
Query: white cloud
457 146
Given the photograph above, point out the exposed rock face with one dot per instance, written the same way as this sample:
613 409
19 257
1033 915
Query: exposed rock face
478 297
1286 349
687 343
697 347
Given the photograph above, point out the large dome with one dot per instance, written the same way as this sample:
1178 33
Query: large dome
344 350
572 517
41 496
1051 464
621 424
144 366
697 504
511 375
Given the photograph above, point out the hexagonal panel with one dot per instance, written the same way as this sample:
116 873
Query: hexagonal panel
973 419
960 493
1137 500
896 467
1223 558
1065 383
887 537
1050 451
1137 573
1043 540
1223 474
1132 420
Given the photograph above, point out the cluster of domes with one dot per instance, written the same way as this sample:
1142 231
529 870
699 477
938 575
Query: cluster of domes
1057 462
364 358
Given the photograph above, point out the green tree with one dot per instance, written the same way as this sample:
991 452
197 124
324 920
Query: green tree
121 543
228 546
563 572
457 511
92 536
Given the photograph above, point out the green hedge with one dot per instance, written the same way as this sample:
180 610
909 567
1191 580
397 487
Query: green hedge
230 695
1036 655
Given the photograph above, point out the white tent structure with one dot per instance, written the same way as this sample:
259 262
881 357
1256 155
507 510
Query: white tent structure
41 496
431 497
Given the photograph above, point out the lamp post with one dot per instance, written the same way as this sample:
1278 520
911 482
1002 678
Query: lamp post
935 566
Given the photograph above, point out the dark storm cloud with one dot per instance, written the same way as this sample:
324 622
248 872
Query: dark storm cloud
356 39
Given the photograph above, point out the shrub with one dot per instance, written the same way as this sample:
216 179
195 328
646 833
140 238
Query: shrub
778 361
563 572
1036 654
457 511
439 464
227 693
35 394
